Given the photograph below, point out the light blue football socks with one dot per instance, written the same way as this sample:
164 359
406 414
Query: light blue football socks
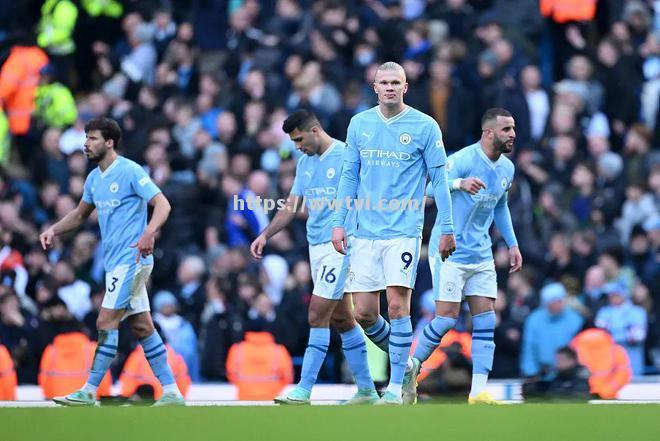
317 347
432 335
483 350
105 353
355 351
399 348
379 334
156 353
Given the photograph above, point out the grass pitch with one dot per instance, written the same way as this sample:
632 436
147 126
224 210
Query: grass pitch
451 422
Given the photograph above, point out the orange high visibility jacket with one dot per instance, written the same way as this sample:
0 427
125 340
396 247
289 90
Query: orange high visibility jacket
19 79
607 362
562 11
438 356
7 375
259 367
137 372
65 366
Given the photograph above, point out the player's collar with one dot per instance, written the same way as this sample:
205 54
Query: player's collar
394 118
327 152
485 157
107 170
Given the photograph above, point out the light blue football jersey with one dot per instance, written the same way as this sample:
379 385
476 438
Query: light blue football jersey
390 159
317 178
121 194
474 214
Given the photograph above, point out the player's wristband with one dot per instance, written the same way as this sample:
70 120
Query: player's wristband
456 185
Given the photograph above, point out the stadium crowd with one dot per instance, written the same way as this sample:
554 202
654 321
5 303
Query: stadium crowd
201 89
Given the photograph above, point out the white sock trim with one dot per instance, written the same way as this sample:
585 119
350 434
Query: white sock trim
478 384
394 388
87 387
171 388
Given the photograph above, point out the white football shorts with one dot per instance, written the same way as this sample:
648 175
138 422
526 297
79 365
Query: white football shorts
453 281
125 288
329 270
379 263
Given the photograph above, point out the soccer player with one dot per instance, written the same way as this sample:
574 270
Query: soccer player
317 176
120 189
391 149
479 177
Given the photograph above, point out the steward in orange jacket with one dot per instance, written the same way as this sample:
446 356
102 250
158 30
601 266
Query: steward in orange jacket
7 375
259 367
607 362
137 372
438 357
65 365
19 79
563 11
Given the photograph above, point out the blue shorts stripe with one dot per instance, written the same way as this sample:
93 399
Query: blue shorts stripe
341 280
157 354
401 334
483 338
111 347
482 331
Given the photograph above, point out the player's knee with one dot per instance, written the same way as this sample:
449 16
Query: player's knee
397 310
105 323
141 330
447 309
342 322
317 319
366 318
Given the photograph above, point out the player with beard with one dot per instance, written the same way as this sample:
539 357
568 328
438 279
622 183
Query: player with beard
479 178
119 189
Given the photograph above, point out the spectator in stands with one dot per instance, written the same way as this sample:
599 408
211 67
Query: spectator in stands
570 383
547 329
19 334
191 293
523 298
508 339
626 322
221 327
178 331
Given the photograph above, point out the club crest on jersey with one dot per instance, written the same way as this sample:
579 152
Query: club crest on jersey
330 173
504 183
405 138
450 165
114 187
439 144
143 181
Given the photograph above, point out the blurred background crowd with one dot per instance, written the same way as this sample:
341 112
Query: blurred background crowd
201 88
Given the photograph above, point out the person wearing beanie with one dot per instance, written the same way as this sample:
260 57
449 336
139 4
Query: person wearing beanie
550 327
